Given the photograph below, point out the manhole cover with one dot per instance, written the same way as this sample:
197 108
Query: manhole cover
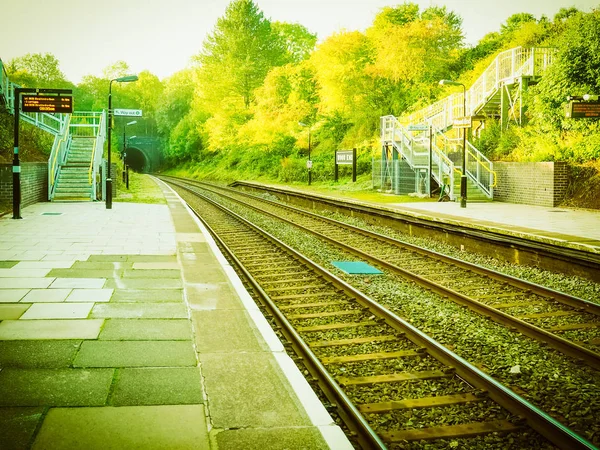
355 267
51 214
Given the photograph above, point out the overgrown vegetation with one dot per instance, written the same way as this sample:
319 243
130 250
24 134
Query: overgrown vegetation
236 112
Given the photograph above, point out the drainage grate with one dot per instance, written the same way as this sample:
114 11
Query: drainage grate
51 214
356 267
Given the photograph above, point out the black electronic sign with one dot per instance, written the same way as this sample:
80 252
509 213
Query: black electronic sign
578 110
47 103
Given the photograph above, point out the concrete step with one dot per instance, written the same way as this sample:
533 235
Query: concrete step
82 192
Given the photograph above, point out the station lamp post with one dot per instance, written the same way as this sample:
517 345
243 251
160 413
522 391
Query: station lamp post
463 178
125 145
127 79
309 162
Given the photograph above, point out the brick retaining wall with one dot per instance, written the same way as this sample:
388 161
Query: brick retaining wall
34 183
540 184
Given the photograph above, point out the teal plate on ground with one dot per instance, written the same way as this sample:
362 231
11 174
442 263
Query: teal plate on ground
356 268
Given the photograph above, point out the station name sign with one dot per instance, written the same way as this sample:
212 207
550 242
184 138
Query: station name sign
579 110
47 103
344 157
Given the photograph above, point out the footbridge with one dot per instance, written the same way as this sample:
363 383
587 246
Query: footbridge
425 147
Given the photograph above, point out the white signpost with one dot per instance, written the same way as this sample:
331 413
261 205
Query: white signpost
128 112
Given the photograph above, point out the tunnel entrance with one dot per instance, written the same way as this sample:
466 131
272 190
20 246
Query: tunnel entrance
137 160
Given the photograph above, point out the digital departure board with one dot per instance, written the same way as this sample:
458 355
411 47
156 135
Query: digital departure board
47 103
577 110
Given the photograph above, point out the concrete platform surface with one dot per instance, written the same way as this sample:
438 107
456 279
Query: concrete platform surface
126 328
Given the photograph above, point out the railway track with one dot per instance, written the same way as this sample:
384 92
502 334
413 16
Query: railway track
566 323
513 249
392 384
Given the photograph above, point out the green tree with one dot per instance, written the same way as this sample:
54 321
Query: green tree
176 100
297 40
237 56
37 70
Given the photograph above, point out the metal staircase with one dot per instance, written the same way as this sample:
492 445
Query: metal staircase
497 93
76 157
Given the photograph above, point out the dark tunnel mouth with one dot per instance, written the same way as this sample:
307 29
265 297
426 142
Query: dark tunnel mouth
136 159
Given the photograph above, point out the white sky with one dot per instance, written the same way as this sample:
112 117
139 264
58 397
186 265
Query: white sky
162 35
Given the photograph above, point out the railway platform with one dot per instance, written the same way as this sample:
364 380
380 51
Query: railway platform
126 328
568 227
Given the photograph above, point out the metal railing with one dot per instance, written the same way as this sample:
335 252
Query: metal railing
58 157
96 159
480 170
3 84
415 150
506 69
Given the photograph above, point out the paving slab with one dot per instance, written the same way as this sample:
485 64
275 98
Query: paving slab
90 295
135 354
152 273
273 439
93 265
50 329
236 332
210 296
17 426
26 283
147 295
140 310
179 427
142 283
262 384
58 311
107 258
86 273
23 273
155 265
8 264
46 295
82 283
54 387
152 258
146 330
12 295
12 311
44 265
51 354
157 386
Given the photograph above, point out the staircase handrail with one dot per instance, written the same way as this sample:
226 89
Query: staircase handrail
96 159
485 181
3 83
58 157
506 67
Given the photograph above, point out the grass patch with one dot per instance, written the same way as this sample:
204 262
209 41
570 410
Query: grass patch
142 189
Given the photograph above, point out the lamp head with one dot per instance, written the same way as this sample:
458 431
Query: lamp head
127 79
302 124
449 83
132 122
132 137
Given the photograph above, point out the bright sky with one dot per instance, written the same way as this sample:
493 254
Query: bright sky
162 35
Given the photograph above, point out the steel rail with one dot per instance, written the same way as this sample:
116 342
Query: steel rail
544 424
563 345
509 248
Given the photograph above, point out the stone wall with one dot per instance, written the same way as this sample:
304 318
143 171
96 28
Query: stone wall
34 183
540 184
